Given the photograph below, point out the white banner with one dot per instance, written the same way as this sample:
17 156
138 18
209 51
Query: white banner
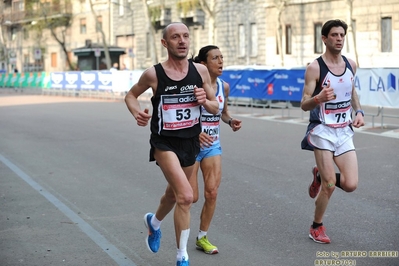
123 80
378 86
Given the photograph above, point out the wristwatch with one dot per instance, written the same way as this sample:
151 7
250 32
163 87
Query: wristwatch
360 111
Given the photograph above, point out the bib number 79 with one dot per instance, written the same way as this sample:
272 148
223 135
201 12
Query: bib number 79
341 117
183 114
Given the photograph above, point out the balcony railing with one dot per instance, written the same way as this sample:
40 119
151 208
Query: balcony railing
34 13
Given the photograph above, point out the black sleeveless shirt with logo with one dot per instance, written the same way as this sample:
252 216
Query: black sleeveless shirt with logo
176 112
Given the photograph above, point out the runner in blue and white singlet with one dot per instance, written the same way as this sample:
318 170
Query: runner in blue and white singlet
209 158
210 125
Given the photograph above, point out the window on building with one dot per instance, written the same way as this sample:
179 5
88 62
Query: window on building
241 40
318 42
83 29
46 4
148 46
253 39
26 34
121 8
288 39
17 5
53 59
99 25
386 35
26 58
13 32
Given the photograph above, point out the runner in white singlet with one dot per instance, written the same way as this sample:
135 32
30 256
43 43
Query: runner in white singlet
330 96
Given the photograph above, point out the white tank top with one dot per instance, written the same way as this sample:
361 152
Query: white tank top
337 112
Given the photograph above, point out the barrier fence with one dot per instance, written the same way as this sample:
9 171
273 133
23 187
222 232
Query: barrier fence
254 87
378 87
31 80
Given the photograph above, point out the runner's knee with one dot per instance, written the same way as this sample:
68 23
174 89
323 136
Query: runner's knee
349 184
185 199
328 187
350 187
211 195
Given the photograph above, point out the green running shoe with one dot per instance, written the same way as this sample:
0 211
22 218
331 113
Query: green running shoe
206 246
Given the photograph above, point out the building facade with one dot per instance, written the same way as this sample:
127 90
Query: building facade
272 33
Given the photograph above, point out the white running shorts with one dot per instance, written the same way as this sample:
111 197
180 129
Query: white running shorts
336 140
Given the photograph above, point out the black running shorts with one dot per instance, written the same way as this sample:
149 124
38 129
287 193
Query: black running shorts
186 150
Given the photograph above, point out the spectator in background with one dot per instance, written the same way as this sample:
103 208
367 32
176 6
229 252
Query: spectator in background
114 67
124 67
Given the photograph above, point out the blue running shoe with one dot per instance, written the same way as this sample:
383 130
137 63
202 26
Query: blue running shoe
183 262
153 239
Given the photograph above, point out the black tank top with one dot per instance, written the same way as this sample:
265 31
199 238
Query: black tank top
176 112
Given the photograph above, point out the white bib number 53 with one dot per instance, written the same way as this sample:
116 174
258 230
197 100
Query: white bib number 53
179 111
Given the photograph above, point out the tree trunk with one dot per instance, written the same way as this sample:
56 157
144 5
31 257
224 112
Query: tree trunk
3 49
211 13
104 39
351 31
279 37
151 29
62 44
280 6
53 28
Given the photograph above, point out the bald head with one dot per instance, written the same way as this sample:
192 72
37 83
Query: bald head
174 26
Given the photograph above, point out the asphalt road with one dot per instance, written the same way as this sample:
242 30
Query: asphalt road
76 183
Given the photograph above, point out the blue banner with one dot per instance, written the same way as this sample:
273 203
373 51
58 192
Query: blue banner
274 84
